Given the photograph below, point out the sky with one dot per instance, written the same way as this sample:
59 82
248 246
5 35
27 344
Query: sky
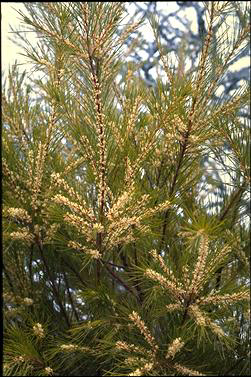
9 52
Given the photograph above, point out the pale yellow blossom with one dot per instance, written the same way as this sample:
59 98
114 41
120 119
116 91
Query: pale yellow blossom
48 371
186 371
19 214
176 291
69 347
93 253
22 235
141 371
174 347
199 271
38 330
135 318
28 301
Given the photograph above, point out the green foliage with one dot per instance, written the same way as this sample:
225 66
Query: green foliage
114 262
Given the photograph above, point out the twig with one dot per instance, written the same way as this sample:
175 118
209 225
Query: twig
75 272
116 277
70 296
235 196
234 366
54 288
9 279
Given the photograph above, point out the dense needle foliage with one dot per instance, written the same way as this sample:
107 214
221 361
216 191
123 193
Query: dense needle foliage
114 262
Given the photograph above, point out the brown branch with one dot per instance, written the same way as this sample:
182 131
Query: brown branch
30 268
236 196
113 264
9 280
116 277
95 76
235 365
194 103
123 258
159 172
54 288
99 246
185 315
136 280
75 272
180 160
70 296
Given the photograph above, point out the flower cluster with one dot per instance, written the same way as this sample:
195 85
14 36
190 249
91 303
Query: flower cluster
60 182
48 371
80 224
197 314
101 139
90 154
50 232
38 330
179 124
119 206
69 347
212 265
19 214
97 227
135 318
186 371
204 320
216 329
39 168
28 301
126 214
132 361
116 134
123 346
13 179
19 359
176 291
164 267
132 348
128 30
95 254
199 271
22 235
226 299
174 347
159 208
141 371
133 115
85 212
173 307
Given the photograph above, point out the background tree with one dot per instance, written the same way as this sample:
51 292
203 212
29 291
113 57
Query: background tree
175 26
114 263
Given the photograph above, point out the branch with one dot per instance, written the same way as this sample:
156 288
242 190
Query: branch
113 264
70 296
236 196
30 267
235 365
116 277
54 288
9 280
180 160
75 272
